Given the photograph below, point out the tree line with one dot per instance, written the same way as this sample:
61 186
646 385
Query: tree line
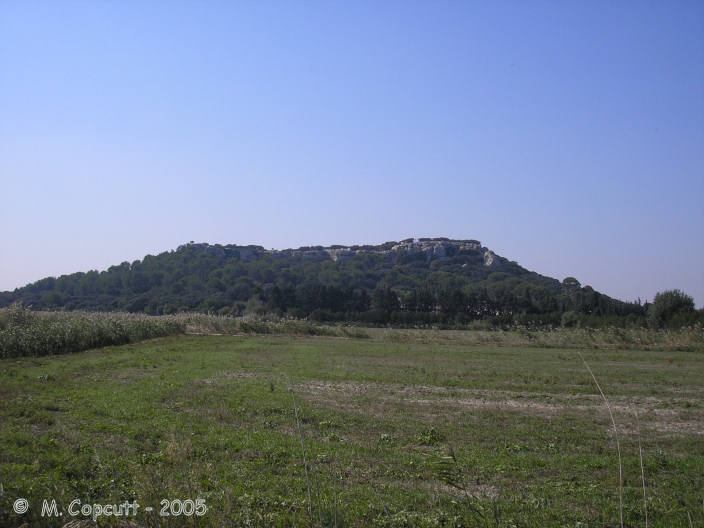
373 288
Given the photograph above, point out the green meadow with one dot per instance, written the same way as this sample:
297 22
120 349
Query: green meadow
387 430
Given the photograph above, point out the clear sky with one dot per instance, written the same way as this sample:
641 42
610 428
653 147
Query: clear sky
568 136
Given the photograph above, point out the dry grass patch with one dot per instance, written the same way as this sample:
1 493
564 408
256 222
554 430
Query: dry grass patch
430 402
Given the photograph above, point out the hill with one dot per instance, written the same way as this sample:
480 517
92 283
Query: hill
413 281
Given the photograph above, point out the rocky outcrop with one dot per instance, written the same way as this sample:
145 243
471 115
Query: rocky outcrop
490 259
433 248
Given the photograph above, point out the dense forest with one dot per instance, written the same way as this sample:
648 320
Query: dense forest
423 281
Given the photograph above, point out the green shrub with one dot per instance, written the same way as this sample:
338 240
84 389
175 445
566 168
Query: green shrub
672 308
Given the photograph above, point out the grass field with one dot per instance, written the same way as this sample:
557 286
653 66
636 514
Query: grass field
213 417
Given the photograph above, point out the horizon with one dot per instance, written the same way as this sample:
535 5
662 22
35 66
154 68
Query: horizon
128 130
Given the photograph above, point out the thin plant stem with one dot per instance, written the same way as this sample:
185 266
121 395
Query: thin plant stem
378 496
334 490
317 494
642 470
303 450
618 444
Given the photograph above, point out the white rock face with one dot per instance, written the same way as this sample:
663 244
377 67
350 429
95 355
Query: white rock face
490 258
438 247
341 254
433 248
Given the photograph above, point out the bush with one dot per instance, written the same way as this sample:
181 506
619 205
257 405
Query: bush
570 319
670 308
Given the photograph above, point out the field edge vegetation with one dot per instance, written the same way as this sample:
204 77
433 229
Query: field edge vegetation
37 333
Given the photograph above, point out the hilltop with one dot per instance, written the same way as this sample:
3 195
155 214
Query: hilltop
414 280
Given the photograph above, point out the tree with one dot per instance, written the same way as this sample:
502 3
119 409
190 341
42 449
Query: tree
571 284
385 299
671 306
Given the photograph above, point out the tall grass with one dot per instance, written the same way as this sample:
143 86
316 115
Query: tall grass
27 333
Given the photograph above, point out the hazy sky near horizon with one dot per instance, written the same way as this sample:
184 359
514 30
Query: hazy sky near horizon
568 136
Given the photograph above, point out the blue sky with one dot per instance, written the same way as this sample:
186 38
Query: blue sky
568 136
